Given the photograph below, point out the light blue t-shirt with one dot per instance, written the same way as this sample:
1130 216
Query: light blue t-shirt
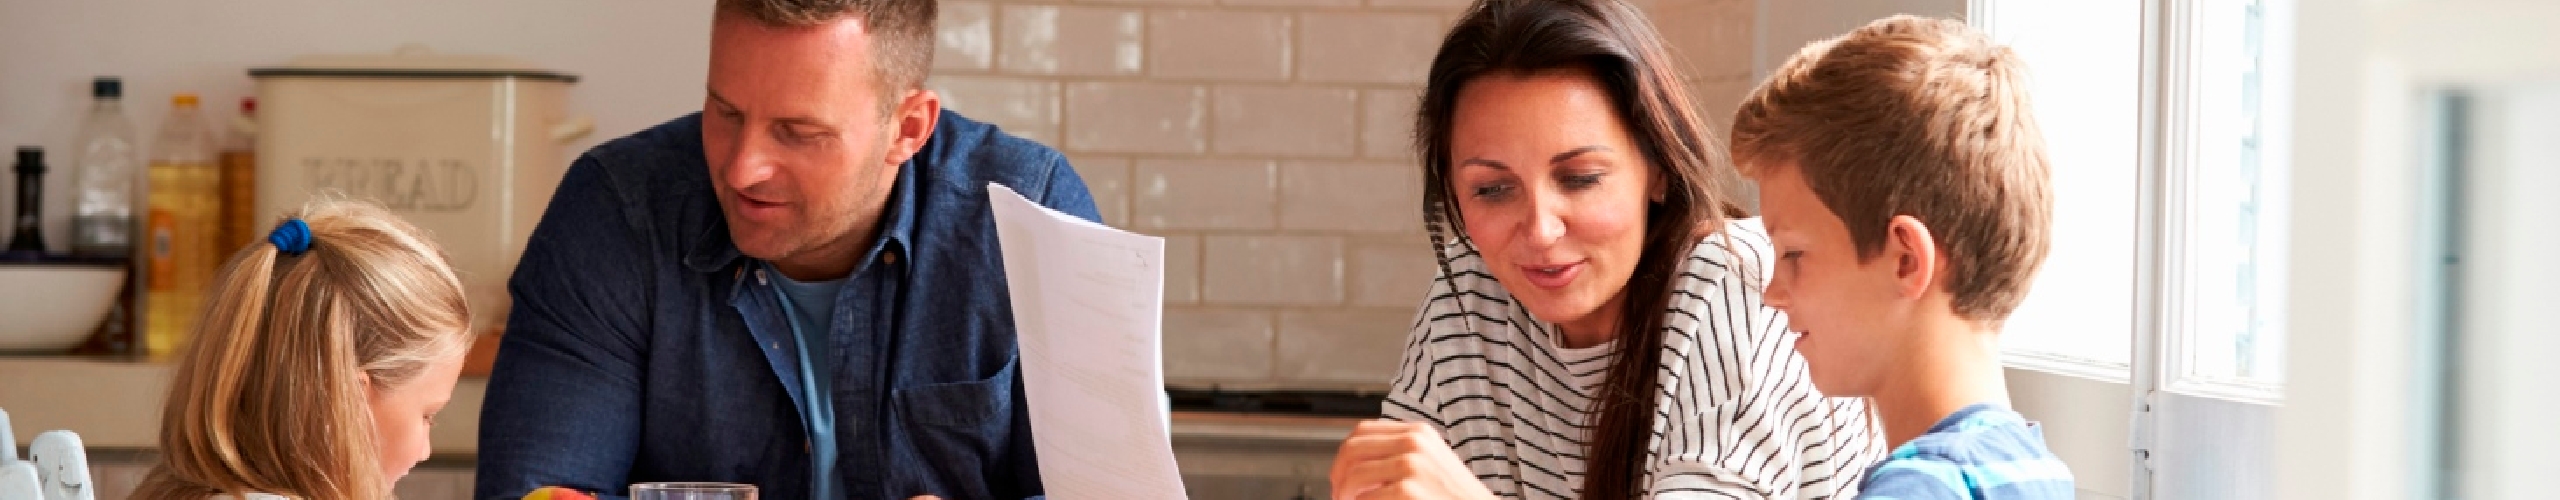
1981 452
812 308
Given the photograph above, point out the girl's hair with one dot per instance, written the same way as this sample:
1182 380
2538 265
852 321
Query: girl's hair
270 396
1622 51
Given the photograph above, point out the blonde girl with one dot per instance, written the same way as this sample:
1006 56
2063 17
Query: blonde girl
324 353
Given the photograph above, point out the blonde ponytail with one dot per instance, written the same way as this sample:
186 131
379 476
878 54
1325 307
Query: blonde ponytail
270 396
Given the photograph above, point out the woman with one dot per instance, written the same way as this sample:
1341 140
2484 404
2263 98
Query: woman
1558 140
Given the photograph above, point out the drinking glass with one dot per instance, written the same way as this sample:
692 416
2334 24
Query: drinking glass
693 491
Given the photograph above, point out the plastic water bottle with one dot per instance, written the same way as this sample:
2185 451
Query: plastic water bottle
109 161
182 226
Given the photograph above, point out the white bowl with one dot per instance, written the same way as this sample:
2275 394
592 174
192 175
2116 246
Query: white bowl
53 307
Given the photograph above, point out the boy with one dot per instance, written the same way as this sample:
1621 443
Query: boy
1904 185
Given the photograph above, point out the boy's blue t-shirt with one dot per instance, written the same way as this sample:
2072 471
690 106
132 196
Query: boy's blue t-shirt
1980 452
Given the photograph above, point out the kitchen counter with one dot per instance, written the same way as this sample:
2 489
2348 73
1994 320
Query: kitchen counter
115 405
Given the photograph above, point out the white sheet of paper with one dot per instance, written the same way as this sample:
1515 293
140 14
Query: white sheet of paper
1088 309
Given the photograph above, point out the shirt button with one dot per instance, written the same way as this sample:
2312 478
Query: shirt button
760 277
804 447
890 258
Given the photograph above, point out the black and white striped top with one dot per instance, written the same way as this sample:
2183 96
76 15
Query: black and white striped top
1738 415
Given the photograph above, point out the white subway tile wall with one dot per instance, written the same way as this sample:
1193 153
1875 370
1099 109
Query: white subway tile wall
1368 47
1135 117
1392 272
1284 121
1027 107
1293 3
1371 197
965 39
1270 142
1205 194
1219 45
1386 123
1450 5
1272 270
1064 40
1714 48
1181 270
1228 345
1337 347
1108 177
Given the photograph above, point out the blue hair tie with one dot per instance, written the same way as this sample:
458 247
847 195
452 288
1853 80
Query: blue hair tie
293 237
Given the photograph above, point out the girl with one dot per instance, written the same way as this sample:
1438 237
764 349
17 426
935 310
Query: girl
323 356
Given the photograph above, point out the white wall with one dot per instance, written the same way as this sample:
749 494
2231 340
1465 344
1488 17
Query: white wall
2506 401
640 63
1786 25
2086 422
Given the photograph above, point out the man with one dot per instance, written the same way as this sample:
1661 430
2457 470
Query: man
797 288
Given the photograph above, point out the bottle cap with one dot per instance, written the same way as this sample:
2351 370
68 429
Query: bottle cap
106 87
183 100
30 160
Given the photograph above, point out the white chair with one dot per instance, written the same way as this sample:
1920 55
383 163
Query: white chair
56 468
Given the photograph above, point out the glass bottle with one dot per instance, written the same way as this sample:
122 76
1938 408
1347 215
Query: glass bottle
28 235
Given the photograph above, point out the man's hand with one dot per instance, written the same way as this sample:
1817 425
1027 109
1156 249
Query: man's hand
1389 460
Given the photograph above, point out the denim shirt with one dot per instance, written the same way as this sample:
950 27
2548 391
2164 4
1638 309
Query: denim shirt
643 347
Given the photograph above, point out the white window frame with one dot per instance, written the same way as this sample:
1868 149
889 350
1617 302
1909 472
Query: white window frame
2069 366
2179 152
2166 327
1982 14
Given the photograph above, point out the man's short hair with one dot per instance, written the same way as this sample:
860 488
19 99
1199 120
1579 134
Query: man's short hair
901 31
1921 117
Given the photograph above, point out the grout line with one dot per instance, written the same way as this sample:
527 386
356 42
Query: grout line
1415 87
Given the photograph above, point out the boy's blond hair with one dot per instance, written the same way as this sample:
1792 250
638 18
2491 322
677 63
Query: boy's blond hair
267 397
1920 117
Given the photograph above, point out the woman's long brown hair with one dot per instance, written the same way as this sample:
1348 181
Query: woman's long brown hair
1622 51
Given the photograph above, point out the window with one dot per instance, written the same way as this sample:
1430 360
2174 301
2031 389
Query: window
2215 263
2227 194
2084 60
2167 125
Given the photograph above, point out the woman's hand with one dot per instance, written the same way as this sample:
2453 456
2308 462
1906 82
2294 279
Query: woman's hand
557 493
1390 460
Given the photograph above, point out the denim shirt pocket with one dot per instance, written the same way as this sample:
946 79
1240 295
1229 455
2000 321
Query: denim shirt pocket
958 432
